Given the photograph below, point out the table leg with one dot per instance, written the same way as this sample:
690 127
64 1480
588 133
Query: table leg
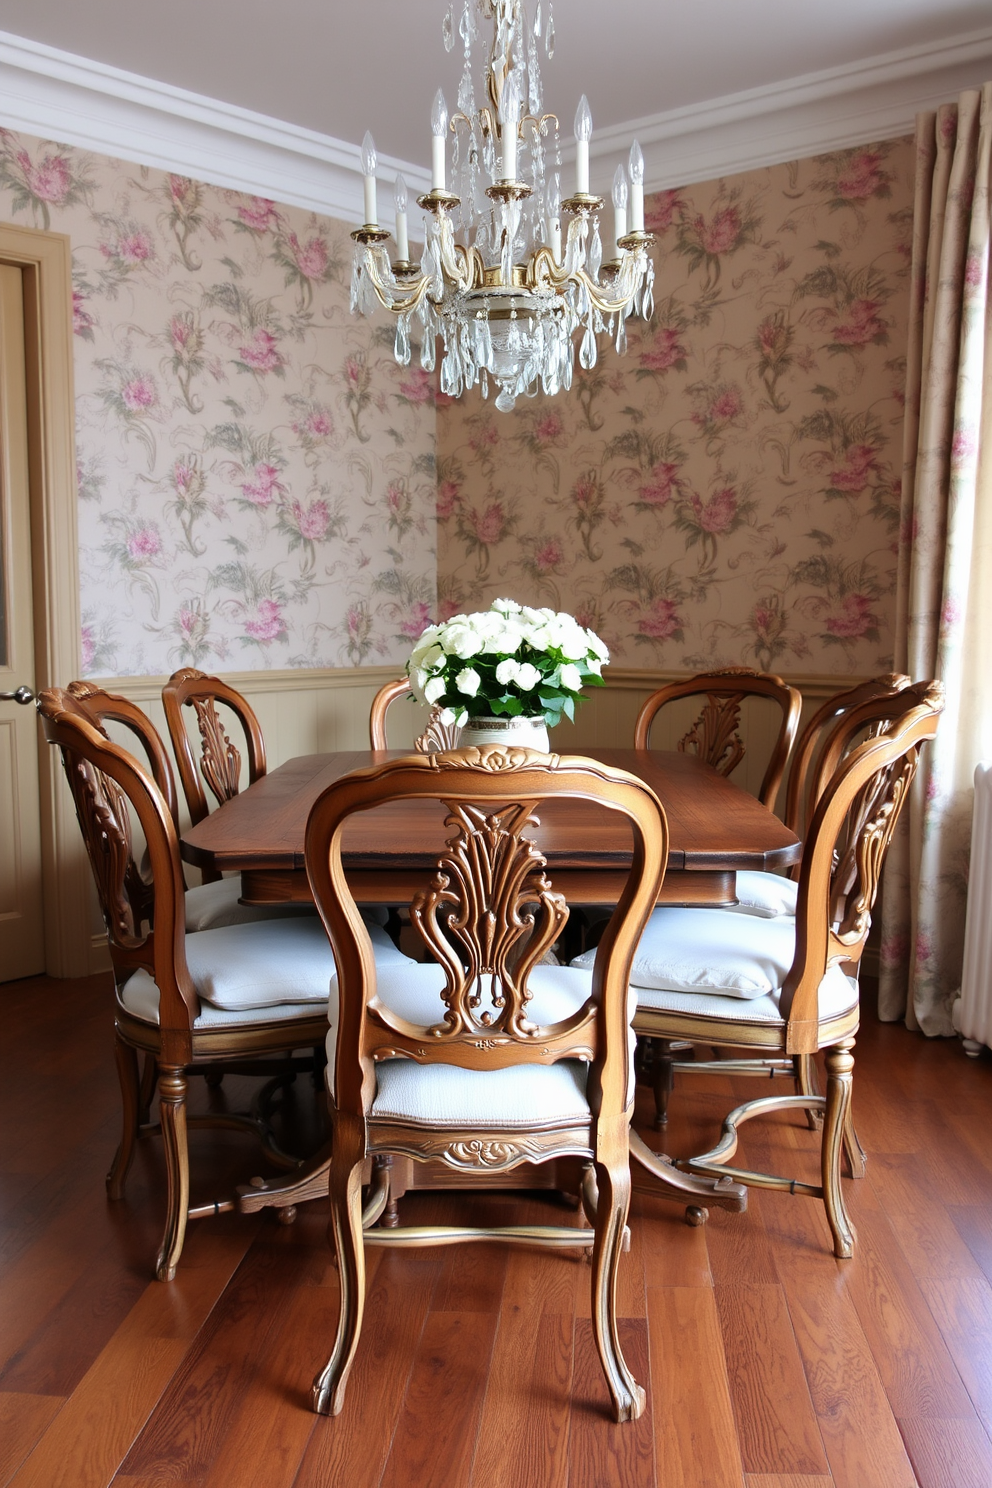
684 1188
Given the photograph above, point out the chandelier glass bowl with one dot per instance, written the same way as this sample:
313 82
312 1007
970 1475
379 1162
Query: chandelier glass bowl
508 293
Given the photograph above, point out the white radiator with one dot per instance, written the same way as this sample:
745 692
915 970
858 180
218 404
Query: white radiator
972 1012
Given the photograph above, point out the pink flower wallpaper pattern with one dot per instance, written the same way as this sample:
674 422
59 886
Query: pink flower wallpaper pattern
728 491
256 474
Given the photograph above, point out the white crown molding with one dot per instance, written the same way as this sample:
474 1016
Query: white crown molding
59 96
874 99
62 97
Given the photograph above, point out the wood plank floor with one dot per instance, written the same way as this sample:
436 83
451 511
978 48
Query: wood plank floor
767 1363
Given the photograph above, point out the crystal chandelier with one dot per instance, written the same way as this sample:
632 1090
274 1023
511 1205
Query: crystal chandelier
505 291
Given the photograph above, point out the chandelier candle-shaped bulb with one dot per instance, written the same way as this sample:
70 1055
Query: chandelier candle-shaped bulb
399 200
510 115
554 219
636 188
583 133
439 126
368 173
619 209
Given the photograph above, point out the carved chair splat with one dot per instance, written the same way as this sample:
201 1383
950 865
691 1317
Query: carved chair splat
715 735
435 736
219 763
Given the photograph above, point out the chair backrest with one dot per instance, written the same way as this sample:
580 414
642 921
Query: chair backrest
487 915
848 837
110 707
220 761
715 735
812 763
145 924
437 736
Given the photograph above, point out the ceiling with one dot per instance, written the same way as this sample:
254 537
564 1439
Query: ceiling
340 70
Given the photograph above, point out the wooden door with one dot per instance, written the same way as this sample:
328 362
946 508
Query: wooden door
22 951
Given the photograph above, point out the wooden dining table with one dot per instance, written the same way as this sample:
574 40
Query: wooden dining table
715 830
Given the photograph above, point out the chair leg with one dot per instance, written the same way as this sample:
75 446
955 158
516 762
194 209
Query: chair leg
127 1073
857 1158
664 1080
612 1173
172 1108
840 1075
149 1078
807 1084
349 1245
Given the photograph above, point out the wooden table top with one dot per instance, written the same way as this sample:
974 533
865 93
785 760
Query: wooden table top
713 825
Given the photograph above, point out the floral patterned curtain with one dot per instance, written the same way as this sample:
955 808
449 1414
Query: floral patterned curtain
944 594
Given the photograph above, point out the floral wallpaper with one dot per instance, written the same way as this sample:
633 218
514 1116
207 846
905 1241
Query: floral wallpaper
256 474
728 491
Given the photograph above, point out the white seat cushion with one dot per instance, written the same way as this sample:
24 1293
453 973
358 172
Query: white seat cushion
212 906
764 894
710 951
244 968
443 1095
140 996
837 994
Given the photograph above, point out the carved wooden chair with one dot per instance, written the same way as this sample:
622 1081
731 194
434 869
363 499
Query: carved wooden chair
436 735
208 906
190 1003
219 765
769 895
483 1059
715 735
788 987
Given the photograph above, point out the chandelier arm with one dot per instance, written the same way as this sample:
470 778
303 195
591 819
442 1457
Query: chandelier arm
538 123
545 272
385 295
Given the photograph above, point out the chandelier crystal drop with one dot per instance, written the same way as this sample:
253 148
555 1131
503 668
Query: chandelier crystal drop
507 291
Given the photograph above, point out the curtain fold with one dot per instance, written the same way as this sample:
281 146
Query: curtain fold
944 584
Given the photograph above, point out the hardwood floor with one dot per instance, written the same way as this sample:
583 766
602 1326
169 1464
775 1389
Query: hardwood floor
767 1363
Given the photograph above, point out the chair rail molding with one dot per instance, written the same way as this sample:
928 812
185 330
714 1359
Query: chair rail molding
58 95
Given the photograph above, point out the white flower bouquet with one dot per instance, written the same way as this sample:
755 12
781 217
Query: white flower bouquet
509 661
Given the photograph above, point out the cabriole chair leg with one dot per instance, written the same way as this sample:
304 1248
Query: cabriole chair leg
349 1244
804 1066
127 1072
840 1075
172 1107
613 1183
149 1078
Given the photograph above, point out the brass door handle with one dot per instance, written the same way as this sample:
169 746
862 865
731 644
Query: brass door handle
23 695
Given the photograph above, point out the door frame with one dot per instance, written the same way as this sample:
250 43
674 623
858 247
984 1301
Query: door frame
45 260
